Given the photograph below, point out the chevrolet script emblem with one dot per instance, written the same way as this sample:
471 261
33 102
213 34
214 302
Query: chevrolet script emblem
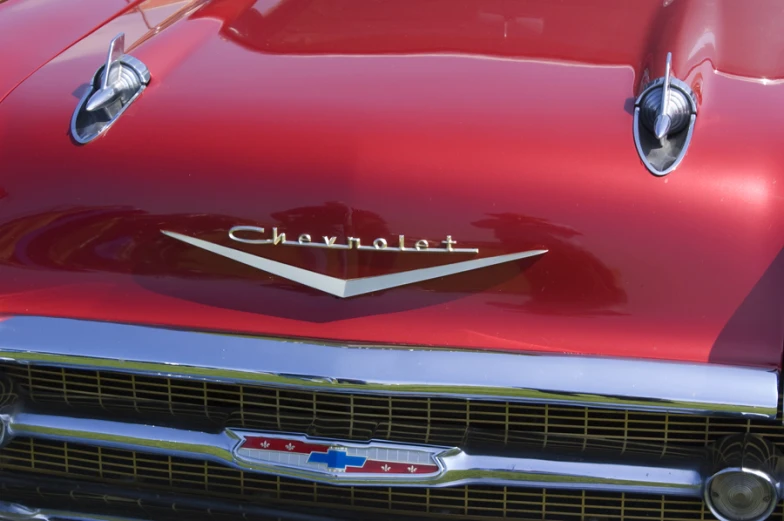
345 288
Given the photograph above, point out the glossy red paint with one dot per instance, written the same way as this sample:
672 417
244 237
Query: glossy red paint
33 32
506 125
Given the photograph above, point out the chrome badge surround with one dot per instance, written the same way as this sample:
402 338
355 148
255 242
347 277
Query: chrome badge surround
376 460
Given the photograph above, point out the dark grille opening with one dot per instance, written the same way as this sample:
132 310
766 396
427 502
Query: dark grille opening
122 503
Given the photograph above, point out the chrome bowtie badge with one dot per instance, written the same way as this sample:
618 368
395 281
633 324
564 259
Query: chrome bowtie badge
114 87
664 116
345 288
375 459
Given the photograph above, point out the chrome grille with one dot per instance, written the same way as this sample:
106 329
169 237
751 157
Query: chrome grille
353 416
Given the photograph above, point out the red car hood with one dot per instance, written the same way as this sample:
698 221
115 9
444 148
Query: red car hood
504 125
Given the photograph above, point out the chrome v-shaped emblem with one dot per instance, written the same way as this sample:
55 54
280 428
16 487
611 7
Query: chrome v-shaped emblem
345 288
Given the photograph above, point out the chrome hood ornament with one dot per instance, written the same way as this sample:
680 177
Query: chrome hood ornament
664 116
114 87
345 288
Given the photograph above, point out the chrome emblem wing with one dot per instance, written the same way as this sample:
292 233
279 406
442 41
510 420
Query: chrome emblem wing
345 288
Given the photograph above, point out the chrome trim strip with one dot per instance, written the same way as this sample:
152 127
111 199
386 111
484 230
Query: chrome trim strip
582 470
427 372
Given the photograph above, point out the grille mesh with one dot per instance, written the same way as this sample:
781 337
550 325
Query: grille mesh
360 417
420 420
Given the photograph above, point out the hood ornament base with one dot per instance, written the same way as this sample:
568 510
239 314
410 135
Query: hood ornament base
114 87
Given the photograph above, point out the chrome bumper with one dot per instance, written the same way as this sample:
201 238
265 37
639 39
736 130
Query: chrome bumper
393 371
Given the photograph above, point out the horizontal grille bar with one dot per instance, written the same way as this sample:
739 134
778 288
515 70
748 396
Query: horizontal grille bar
563 465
